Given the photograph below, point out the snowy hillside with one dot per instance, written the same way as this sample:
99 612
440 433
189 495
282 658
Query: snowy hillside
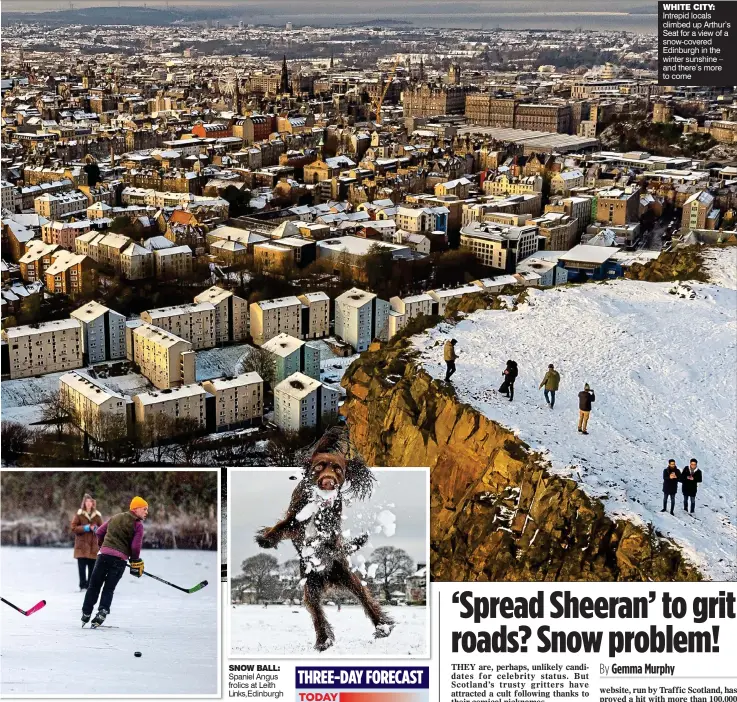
49 652
662 365
287 631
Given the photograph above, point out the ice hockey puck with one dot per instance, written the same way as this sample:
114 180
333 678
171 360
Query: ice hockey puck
137 654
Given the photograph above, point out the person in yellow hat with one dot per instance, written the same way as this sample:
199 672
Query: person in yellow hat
120 539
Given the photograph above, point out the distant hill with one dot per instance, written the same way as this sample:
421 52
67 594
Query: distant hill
137 15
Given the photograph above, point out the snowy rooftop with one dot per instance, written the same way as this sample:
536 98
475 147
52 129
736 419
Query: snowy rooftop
652 402
42 328
160 336
589 254
239 381
283 345
91 389
214 295
355 297
92 310
279 302
297 386
186 308
184 391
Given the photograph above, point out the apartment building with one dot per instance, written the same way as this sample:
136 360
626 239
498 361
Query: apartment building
544 118
7 196
173 262
302 402
617 206
559 230
193 322
700 212
36 260
565 181
499 246
95 409
292 355
102 333
273 256
578 208
164 358
71 274
231 314
528 204
177 404
315 315
509 185
136 262
64 233
361 317
404 309
270 318
422 219
239 401
60 205
36 349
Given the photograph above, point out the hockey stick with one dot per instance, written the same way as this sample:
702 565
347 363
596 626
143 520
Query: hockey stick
199 586
29 612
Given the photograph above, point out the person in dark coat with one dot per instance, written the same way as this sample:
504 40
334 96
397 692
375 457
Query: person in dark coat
585 398
84 525
690 479
510 375
671 478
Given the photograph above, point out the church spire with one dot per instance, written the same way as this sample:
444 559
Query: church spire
284 84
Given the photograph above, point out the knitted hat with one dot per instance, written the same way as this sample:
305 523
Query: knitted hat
137 502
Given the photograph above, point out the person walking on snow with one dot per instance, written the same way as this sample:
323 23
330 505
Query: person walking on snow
585 398
510 375
84 525
120 539
450 355
690 479
671 478
550 382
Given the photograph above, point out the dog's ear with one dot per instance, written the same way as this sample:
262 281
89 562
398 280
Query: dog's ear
360 477
334 440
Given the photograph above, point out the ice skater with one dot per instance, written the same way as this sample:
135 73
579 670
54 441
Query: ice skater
690 479
550 382
313 523
671 478
84 525
120 539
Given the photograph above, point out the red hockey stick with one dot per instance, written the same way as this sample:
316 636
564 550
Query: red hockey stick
29 612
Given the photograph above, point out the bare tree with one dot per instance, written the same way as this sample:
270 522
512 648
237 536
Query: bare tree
16 438
56 410
260 361
259 574
394 566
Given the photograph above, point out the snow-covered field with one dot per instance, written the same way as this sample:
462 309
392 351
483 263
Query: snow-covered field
21 397
220 361
663 369
285 630
722 266
49 652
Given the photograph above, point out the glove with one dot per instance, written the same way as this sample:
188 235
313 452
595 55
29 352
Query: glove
87 527
136 568
94 528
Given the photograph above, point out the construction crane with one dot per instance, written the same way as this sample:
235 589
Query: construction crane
378 101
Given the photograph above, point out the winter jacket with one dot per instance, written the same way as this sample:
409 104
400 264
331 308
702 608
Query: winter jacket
121 536
449 352
690 486
670 484
85 542
511 372
551 381
585 398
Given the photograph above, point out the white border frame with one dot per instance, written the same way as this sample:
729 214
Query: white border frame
328 657
217 583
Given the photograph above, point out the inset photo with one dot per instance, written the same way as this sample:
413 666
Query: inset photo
330 556
110 582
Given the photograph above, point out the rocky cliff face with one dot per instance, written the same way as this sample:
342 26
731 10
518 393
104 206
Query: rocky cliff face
497 514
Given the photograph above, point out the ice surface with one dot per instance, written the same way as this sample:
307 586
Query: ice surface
663 369
49 653
286 630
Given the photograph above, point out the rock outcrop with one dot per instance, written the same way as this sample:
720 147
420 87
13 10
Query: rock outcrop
496 511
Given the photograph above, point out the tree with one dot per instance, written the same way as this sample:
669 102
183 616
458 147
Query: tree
260 361
394 565
259 575
239 201
16 438
56 410
30 309
378 267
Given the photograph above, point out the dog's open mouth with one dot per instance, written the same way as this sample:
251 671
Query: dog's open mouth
327 482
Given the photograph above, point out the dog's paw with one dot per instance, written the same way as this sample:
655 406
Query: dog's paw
263 539
383 630
324 645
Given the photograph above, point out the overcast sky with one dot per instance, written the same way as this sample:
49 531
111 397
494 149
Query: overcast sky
259 497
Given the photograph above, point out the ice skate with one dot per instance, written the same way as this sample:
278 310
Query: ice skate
99 618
